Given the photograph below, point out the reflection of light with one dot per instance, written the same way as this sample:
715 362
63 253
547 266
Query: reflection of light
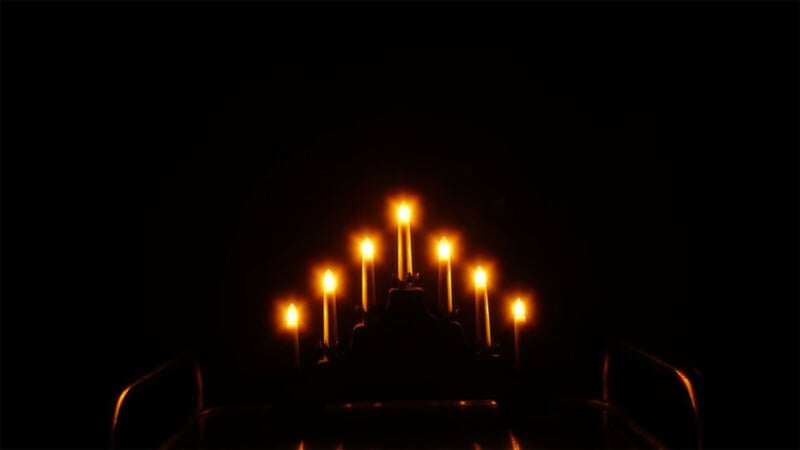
689 389
291 316
328 281
301 445
519 310
444 249
514 442
403 213
367 249
462 403
480 277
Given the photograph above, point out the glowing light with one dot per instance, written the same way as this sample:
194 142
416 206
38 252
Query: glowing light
367 249
292 316
328 281
480 277
514 442
404 261
519 310
403 213
444 248
292 322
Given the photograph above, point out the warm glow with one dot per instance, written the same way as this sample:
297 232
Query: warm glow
291 316
367 249
480 277
328 281
519 310
514 442
444 249
403 213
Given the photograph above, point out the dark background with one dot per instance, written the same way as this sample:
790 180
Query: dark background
170 169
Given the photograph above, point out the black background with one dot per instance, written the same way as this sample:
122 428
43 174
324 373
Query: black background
170 169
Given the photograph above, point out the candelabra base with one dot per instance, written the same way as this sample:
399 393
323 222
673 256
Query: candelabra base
409 351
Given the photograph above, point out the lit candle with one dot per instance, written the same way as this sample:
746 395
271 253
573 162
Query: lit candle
482 296
445 275
367 274
404 266
329 295
292 323
519 318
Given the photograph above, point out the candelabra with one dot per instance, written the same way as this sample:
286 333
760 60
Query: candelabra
409 344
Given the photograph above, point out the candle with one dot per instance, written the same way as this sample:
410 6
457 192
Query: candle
404 266
445 275
329 296
292 323
367 274
519 318
482 296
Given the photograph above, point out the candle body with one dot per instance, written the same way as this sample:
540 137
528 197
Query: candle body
400 252
409 265
364 297
334 319
372 300
478 321
488 327
449 288
445 285
516 344
367 283
296 349
483 331
404 265
325 322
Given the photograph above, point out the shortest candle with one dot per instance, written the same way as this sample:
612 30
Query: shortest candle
292 323
519 318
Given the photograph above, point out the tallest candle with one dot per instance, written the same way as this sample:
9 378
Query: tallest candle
482 309
404 266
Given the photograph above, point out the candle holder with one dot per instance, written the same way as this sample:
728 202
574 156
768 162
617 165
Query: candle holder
409 347
407 344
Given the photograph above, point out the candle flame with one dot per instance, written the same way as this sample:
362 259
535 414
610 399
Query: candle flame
519 310
444 248
292 317
403 213
367 249
328 281
480 277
